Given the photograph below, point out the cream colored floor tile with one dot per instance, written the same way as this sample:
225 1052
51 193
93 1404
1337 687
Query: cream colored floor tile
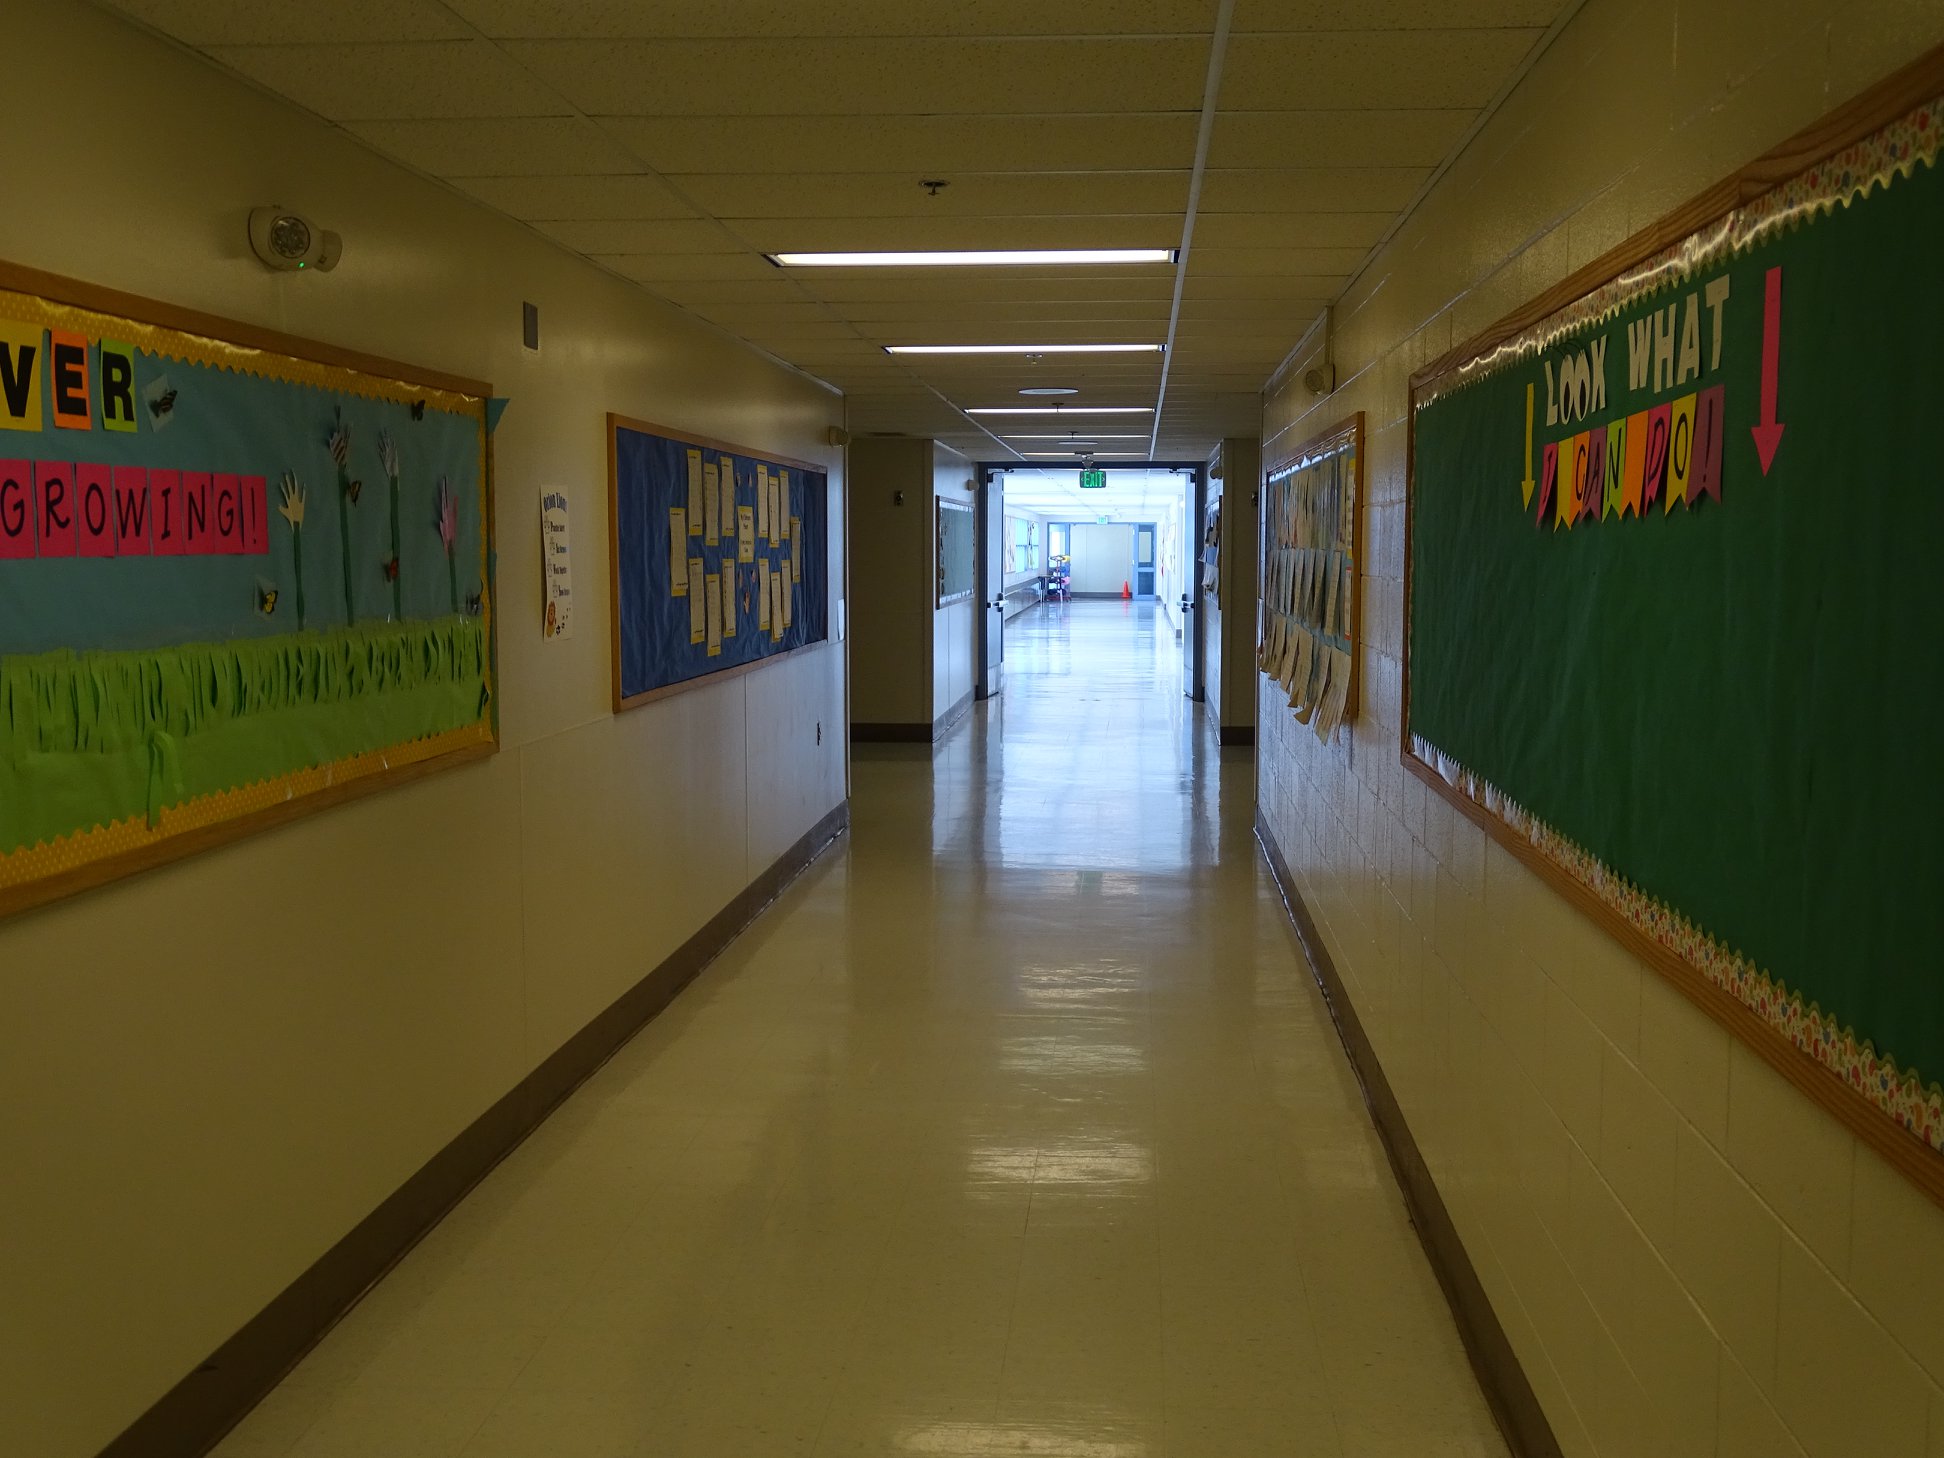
424 1422
275 1424
1016 1126
559 1425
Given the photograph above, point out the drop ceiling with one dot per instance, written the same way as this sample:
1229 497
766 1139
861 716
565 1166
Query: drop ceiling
676 142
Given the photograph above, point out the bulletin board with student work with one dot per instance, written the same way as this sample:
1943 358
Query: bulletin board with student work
720 559
1308 636
1676 632
242 576
957 551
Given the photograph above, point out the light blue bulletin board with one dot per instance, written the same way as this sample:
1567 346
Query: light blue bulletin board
240 577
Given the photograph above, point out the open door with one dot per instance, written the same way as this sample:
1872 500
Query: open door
992 577
1191 590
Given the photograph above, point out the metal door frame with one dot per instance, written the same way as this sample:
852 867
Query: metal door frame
1191 601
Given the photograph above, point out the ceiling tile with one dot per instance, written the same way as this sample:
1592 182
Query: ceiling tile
1311 189
388 82
900 195
202 23
633 197
1394 69
675 235
560 146
1359 138
653 268
797 235
1280 15
772 19
924 146
1353 233
922 75
1137 283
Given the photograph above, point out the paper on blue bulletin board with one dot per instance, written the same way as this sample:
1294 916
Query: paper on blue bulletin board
662 555
232 578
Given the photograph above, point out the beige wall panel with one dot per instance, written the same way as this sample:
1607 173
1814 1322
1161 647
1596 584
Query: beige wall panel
1686 1254
246 1041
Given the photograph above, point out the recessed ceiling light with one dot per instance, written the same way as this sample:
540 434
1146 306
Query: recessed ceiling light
1061 410
1063 455
1022 349
1049 390
1091 435
973 258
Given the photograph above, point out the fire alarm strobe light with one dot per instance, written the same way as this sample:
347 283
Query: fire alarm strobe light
289 242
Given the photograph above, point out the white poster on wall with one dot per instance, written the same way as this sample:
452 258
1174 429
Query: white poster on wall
556 566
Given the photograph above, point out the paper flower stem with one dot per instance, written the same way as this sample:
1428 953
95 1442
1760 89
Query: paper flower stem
398 565
344 539
297 567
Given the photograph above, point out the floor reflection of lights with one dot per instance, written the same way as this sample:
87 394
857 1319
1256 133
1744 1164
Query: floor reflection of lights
1031 1440
1064 1162
1053 1054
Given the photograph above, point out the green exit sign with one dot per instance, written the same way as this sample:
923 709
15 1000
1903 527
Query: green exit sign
1094 480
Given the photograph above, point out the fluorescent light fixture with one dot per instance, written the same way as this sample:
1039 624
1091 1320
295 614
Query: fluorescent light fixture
1022 349
973 258
1090 435
1049 390
1068 455
1061 410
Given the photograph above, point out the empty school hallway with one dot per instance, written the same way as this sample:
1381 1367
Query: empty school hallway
1015 1126
971 729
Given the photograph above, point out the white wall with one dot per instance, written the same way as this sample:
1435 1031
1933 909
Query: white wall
209 1073
1689 1256
1103 556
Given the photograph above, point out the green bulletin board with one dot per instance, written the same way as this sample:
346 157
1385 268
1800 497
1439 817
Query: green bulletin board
241 577
1675 630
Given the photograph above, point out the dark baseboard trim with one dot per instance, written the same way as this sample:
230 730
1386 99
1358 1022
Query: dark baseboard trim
1496 1365
948 721
891 733
1238 736
194 1415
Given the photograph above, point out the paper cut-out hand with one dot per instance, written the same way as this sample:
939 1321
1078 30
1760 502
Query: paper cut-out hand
292 509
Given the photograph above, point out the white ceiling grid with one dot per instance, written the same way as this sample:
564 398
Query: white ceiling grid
678 141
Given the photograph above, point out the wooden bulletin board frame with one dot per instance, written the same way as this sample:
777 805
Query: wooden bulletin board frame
1349 432
215 820
620 700
971 521
1594 892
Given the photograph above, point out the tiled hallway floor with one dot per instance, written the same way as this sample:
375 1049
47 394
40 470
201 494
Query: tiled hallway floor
1015 1127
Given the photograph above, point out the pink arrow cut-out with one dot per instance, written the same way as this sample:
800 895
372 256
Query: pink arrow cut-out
1768 433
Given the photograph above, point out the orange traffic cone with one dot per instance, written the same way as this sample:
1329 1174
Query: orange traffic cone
1126 591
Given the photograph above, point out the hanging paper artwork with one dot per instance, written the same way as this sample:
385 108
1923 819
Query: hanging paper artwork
1308 639
208 623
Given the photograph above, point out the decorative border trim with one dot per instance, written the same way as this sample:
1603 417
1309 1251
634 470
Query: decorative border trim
1877 160
1898 1092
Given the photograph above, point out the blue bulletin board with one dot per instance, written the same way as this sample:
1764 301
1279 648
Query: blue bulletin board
241 577
720 558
